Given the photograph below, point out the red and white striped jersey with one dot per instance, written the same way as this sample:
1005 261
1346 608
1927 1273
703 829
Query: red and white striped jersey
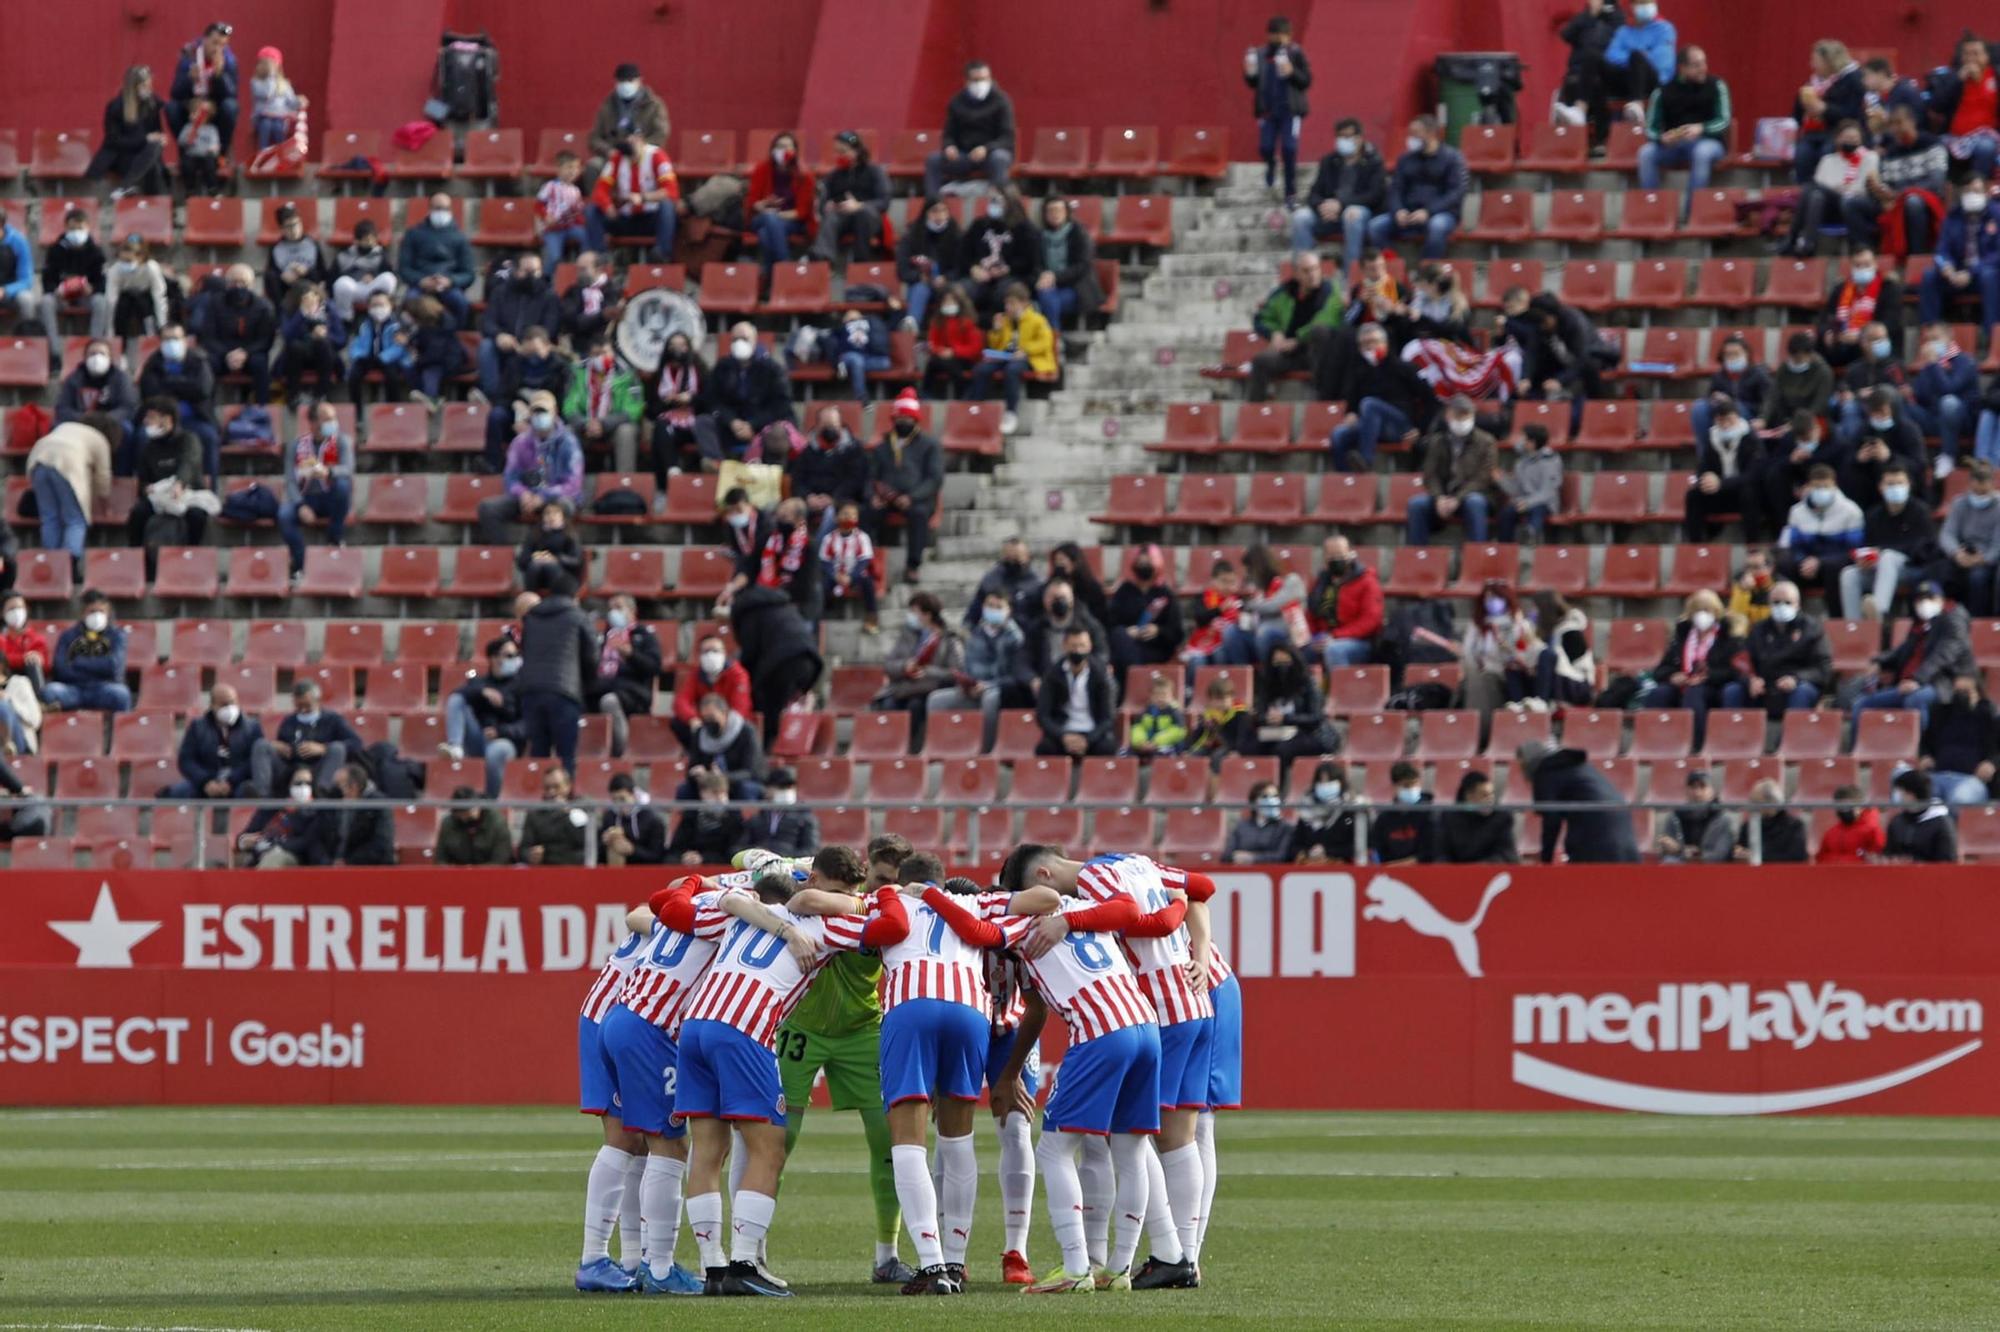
1218 965
671 964
754 982
932 962
1085 978
1003 974
610 982
1159 963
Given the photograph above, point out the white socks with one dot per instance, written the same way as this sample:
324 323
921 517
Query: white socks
1182 1168
1017 1179
751 1215
601 1197
1057 1154
739 1161
1160 1213
1094 1170
918 1197
631 1231
1128 1153
961 1191
705 1220
660 1207
1204 1139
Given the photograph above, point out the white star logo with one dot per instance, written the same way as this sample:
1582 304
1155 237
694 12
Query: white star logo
104 940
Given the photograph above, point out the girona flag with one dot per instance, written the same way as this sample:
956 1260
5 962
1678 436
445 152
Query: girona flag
1451 368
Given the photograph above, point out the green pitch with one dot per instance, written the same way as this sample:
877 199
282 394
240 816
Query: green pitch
360 1218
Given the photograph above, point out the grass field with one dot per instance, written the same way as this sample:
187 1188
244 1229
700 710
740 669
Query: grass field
359 1218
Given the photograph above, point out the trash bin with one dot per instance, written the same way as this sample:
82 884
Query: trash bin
1477 88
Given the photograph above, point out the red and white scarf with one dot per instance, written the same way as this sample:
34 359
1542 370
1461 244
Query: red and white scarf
608 660
674 381
311 450
1856 307
597 376
847 552
1695 649
1451 368
782 557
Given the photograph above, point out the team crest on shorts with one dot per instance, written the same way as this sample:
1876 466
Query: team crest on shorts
677 1120
781 1105
616 1103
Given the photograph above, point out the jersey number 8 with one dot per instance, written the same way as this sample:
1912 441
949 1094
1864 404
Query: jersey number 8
1090 952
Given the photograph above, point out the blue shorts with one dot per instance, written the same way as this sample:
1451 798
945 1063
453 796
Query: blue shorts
1185 1064
726 1075
1225 1047
596 1079
1108 1085
647 1065
1000 1048
932 1047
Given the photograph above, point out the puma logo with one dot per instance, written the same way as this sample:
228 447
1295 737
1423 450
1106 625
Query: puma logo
1393 900
960 1233
703 1235
927 1234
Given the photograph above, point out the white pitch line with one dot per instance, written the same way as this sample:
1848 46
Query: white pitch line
126 1327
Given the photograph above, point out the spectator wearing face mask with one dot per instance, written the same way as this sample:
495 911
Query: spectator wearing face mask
1922 829
829 473
784 556
1325 830
858 344
554 832
1750 590
1699 663
169 509
1821 532
544 464
978 138
1406 832
726 744
1967 262
1344 608
781 201
1961 743
1886 437
1791 663
1144 613
1278 74
1970 540
237 328
1905 198
1699 832
591 305
1803 383
310 736
713 671
296 258
1727 473
604 405
853 200
69 471
1460 464
1349 188
1067 284
629 833
24 649
1964 100
1899 541
518 299
551 541
182 372
1297 321
482 717
1866 295
136 287
1781 834
73 274
314 334
98 384
780 827
1639 57
1261 836
929 258
1291 717
674 402
289 836
1426 192
1944 390
1013 576
1737 377
1077 703
628 663
436 257
905 474
1855 838
709 833
361 836
1687 125
631 106
1879 366
534 368
319 477
214 759
747 391
1499 652
847 564
1390 400
638 195
380 345
1532 492
472 833
558 655
928 658
1936 651
362 270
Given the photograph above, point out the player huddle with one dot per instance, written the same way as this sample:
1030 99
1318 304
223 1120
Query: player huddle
699 1042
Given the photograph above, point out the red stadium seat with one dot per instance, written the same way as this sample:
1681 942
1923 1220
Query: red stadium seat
1447 735
199 642
1018 735
1608 426
955 734
1345 498
905 780
636 571
1192 427
554 141
1503 274
970 780
805 287
974 428
1143 219
1357 689
1374 737
880 735
1262 427
408 571
1511 730
333 571
59 154
1194 835
1057 154
907 150
1795 284
729 288
1712 216
1883 735
482 571
1662 733
1812 735
1591 285
1477 564
45 576
506 224
358 643
1855 643
462 429
24 362
1734 735
1505 217
347 212
1728 284
1648 215
1635 645
640 485
1664 353
703 573
1418 571
1206 500
1276 499
167 687
1657 284
1108 781
72 735
1564 569
339 148
1697 568
1629 571
257 572
1575 215
1488 149
492 154
1198 151
1556 148
1129 151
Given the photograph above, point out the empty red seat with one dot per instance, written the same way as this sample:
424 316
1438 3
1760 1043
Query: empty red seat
1344 498
1505 217
347 212
553 141
1478 564
1194 835
1276 499
492 154
1712 216
1129 151
729 288
408 571
1262 427
60 154
44 575
1207 500
1488 149
1635 646
1664 353
1418 571
703 573
1589 284
900 779
1198 151
797 288
1192 427
1357 689
637 571
1648 215
482 571
1447 735
1662 733
1734 734
1505 274
1657 284
1510 730
1143 219
973 427
1057 154
907 150
333 571
72 735
200 642
1812 735
1374 737
507 224
1697 568
880 735
1795 284
167 687
1729 284
24 362
1107 781
258 572
1629 571
1575 215
1885 735
1556 148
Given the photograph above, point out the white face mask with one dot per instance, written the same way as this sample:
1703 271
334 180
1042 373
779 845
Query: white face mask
1896 494
97 363
1973 203
1727 435
1928 609
302 793
1645 13
739 519
783 795
979 88
617 618
77 236
1784 613
507 667
173 348
912 619
1459 426
1346 146
742 348
711 664
1735 365
628 88
379 313
1820 496
1703 621
228 713
543 422
1326 792
1414 144
17 617
949 309
1269 808
1409 795
1863 276
1881 349
96 621
440 217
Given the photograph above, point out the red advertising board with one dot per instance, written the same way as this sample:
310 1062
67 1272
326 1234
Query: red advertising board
1698 991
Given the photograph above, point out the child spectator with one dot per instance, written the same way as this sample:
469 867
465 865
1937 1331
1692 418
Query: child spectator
1260 837
364 269
314 333
1405 833
1534 490
1217 637
320 478
604 405
1161 728
559 211
201 151
274 102
861 344
1019 341
955 344
1750 593
1224 725
381 346
847 560
436 353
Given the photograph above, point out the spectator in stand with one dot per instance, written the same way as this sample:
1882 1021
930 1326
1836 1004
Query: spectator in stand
1906 195
1014 577
853 200
1460 464
604 404
1791 663
1426 193
69 470
829 473
1750 591
1922 829
1143 614
1944 391
928 658
1728 474
482 717
1067 284
1970 540
1291 713
631 107
636 195
1856 836
310 738
628 662
1781 834
674 403
290 836
1639 58
1020 342
1562 355
1921 668
17 268
1840 179
747 392
1499 653
313 335
201 151
1349 188
436 257
294 259
1297 321
380 346
1788 460
1274 601
364 269
978 137
319 476
1831 97
1961 743
519 299
1437 308
1160 728
554 833
1879 366
1218 637
905 474
73 274
167 510
1699 664
436 354
1699 832
1967 262
544 464
780 827
929 258
275 104
1566 672
781 201
472 833
858 345
361 836
1261 836
1482 835
709 833
784 661
133 138
1803 383
1060 614
214 759
1737 376
1390 399
98 384
1406 833
1886 91
237 330
1278 74
1583 96
1224 726
592 303
713 671
1887 436
629 833
1344 608
1965 102
1325 831
1532 492
206 71
1866 296
1078 705
1687 125
136 286
999 249
23 647
1566 776
558 655
955 344
785 556
1821 532
559 212
1898 543
995 672
724 743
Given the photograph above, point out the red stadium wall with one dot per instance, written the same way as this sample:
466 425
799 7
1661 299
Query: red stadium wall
1695 991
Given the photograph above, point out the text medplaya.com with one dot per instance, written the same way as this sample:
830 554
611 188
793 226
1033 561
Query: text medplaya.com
1680 1016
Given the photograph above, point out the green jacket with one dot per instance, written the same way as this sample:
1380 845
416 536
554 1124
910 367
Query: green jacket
627 400
1715 128
1275 315
1165 729
488 844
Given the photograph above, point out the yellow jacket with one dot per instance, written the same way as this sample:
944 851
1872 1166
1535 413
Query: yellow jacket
1036 339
